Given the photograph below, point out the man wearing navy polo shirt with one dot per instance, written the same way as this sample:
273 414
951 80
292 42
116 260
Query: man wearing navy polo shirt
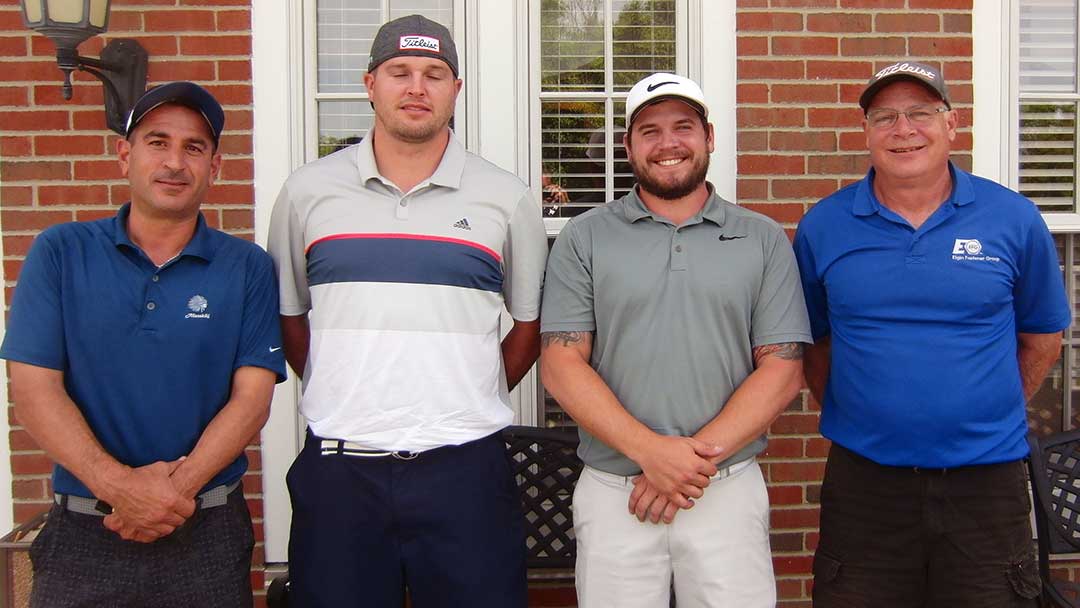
937 306
144 350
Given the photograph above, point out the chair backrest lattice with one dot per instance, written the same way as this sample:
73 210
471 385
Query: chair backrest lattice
1056 465
546 468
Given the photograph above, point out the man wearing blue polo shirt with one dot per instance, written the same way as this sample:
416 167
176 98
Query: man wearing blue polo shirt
144 350
937 305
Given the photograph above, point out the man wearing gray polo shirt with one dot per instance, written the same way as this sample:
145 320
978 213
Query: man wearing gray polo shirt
396 257
673 329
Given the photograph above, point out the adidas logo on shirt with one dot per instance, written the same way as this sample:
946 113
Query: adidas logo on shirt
463 223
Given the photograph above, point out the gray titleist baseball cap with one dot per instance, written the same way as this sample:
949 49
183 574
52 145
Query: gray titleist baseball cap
928 76
413 36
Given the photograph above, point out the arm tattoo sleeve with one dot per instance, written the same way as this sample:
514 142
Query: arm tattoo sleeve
792 351
565 337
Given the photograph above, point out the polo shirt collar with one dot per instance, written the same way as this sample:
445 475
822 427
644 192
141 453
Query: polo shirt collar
866 202
201 244
447 174
634 209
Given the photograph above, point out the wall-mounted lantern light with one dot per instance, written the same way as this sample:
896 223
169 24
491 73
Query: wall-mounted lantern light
122 66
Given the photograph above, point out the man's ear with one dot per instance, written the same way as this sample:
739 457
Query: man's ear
123 155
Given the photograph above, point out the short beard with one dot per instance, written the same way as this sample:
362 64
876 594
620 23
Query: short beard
418 134
670 192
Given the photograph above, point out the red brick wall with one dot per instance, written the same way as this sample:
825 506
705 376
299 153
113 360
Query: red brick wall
57 158
801 67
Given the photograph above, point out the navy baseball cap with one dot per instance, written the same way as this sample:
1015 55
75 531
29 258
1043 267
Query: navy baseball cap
185 93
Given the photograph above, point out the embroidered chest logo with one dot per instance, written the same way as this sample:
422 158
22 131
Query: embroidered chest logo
971 250
463 224
197 305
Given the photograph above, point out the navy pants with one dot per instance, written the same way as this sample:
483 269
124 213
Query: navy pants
447 525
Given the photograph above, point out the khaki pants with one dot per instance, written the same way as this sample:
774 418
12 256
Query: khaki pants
717 553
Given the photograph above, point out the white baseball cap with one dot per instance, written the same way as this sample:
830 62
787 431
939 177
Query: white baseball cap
661 86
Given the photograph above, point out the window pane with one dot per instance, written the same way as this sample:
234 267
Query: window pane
1048 154
572 156
345 29
1048 45
572 45
643 40
574 153
441 11
342 123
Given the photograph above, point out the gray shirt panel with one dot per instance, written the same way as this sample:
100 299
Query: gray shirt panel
675 311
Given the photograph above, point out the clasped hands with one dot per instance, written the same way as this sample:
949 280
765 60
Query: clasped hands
675 471
146 503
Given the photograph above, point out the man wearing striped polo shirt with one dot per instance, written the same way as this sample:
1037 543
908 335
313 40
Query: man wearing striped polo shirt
396 257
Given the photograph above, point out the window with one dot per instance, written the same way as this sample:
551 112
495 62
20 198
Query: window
1048 102
1046 172
586 56
344 30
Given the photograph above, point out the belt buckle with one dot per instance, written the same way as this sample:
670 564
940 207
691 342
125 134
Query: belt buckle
405 455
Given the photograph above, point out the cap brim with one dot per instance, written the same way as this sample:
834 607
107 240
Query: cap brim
694 104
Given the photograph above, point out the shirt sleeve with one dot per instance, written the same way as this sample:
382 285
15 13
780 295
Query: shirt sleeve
286 247
35 327
260 331
568 288
813 287
779 313
1039 299
524 256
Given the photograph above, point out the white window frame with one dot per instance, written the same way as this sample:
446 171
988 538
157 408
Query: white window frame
996 85
7 507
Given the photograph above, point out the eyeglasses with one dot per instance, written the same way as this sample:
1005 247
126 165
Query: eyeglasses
885 118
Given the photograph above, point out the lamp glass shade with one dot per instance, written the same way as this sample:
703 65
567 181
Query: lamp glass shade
32 11
66 11
99 13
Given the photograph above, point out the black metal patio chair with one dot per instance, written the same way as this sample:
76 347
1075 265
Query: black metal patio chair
1055 479
546 468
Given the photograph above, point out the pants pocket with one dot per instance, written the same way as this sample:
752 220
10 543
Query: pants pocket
41 547
1023 575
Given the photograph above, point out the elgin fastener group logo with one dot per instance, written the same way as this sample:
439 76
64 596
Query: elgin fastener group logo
971 250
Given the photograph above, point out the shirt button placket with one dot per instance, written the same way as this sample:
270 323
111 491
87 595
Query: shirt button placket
402 209
678 251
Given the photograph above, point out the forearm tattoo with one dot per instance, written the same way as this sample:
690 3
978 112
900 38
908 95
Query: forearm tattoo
792 351
565 337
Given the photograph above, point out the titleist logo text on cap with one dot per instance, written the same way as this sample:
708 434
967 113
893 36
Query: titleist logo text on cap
424 43
905 67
